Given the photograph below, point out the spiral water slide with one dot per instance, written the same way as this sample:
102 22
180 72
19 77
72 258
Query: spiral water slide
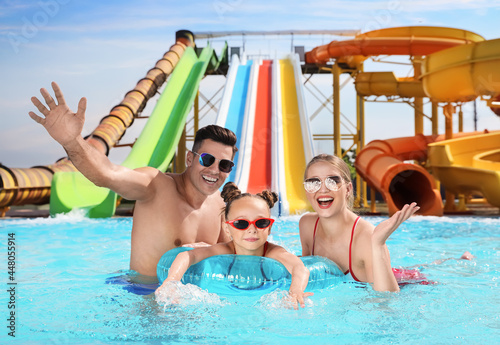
468 164
22 186
263 105
382 162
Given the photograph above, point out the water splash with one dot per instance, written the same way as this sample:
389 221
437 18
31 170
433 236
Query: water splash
279 300
174 293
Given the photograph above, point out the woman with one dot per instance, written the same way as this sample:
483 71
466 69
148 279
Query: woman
335 232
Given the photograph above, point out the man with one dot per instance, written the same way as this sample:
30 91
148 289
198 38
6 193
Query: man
171 210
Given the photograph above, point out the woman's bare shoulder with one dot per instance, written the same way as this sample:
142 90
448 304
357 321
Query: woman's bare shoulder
307 219
364 227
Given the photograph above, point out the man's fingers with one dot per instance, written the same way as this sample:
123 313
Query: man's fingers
82 106
58 93
39 106
36 117
48 98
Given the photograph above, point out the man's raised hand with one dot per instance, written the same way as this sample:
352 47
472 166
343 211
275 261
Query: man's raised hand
62 124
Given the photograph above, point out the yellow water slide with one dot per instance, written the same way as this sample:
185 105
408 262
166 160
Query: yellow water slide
461 74
295 144
469 165
412 41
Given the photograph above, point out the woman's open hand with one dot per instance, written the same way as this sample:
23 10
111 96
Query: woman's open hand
385 229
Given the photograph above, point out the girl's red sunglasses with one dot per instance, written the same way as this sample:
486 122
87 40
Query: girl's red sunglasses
243 224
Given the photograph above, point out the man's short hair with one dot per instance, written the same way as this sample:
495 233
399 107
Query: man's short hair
216 133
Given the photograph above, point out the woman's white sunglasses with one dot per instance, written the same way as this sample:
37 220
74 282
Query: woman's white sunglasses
333 183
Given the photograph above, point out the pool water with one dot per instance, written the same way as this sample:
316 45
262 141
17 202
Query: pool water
61 296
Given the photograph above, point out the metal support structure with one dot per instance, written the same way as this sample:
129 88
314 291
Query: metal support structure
435 131
197 112
180 157
448 111
373 207
460 120
363 191
337 150
418 101
435 118
361 186
216 34
339 119
359 99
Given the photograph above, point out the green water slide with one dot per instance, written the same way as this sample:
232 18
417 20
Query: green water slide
154 147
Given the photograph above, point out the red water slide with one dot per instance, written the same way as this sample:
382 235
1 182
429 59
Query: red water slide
260 169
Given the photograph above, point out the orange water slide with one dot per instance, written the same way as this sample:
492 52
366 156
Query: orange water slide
381 164
260 175
412 40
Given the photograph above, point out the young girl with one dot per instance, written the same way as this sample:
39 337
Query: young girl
337 233
249 224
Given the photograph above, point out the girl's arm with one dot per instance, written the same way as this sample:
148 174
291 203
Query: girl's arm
383 277
300 274
185 259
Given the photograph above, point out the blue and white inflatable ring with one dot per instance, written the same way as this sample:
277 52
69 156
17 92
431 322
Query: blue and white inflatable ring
234 274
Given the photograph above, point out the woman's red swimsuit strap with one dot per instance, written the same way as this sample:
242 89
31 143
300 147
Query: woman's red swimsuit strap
403 276
350 246
350 250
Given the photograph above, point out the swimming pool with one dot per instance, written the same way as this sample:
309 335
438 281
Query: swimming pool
61 265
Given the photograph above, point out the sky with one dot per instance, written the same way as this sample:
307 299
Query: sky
100 49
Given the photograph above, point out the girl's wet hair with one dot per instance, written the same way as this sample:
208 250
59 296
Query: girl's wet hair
339 164
231 193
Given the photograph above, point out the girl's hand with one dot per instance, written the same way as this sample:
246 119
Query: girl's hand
385 229
169 292
295 297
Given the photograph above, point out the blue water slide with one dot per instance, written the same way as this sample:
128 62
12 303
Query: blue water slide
231 116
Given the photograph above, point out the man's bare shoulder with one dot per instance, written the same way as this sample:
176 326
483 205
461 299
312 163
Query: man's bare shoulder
216 198
166 180
160 184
